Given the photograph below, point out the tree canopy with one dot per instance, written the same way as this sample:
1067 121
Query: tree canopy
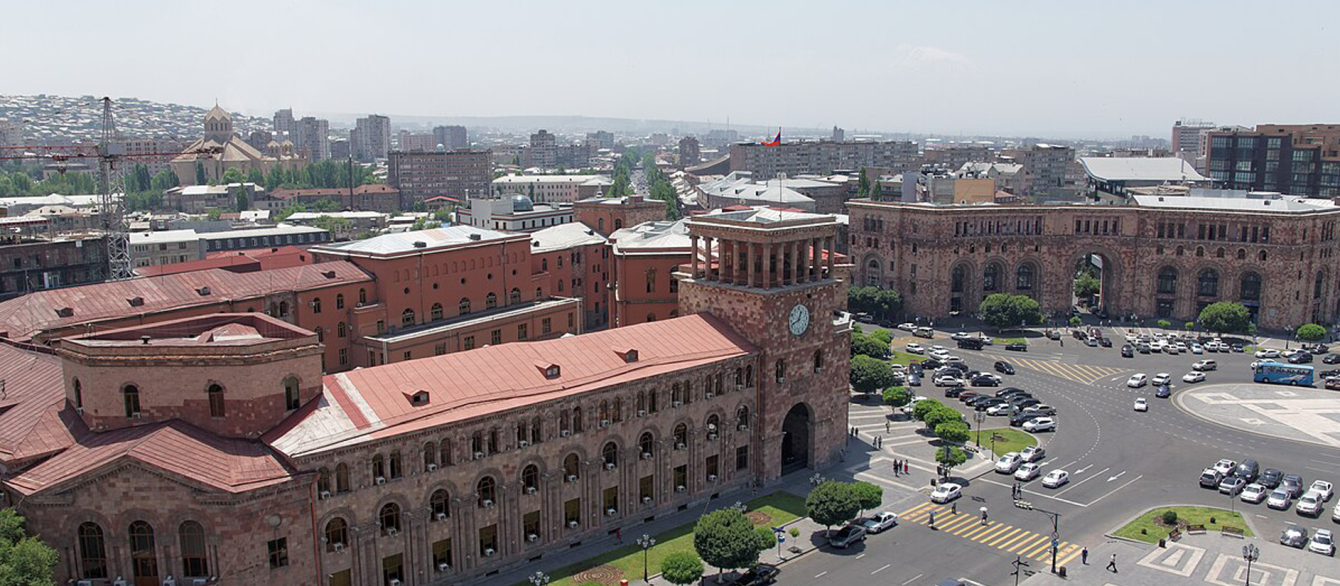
949 457
24 560
1311 333
870 374
1003 310
955 432
1086 285
897 397
725 539
1225 317
868 345
878 301
682 568
832 503
868 495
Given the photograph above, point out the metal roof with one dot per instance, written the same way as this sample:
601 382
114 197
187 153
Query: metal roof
1172 169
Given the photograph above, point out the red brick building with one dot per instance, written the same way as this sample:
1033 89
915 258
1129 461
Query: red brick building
608 214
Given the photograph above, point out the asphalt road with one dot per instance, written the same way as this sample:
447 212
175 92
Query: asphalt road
1121 463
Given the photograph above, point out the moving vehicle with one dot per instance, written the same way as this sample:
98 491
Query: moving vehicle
924 332
1028 471
1300 358
1194 376
970 343
1282 374
847 536
1033 453
1323 542
1254 493
1267 353
758 576
1141 405
1309 504
907 326
880 521
1128 351
1008 463
1294 536
1040 424
915 348
1331 359
1161 378
1279 499
945 492
1105 342
1203 365
1004 367
1017 347
1137 380
1163 392
1056 478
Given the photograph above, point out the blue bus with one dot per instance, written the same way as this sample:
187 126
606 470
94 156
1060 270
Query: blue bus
1283 374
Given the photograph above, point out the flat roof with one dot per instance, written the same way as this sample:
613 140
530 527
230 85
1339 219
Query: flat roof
433 239
1173 169
563 236
1286 204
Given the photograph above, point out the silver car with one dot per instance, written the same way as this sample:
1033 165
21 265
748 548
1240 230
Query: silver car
1309 504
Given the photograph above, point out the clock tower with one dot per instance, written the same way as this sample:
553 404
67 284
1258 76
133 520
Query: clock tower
770 275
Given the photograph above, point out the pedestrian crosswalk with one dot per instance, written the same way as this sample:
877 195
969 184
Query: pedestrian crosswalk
1012 540
1080 373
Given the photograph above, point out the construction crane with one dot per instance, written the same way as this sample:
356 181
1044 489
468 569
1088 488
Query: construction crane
111 156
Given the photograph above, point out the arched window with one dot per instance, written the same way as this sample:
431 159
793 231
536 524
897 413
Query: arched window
320 334
292 400
216 408
131 394
389 518
651 317
742 418
539 292
494 445
444 453
435 313
1317 285
604 412
487 490
323 481
713 423
514 297
1208 283
1023 277
429 455
651 280
407 318
342 478
600 224
739 377
681 436
530 478
316 305
564 421
362 296
1261 256
1180 251
780 367
646 443
194 560
956 280
872 276
576 420
652 402
378 466
440 502
92 552
143 553
78 394
283 309
818 361
341 329
991 277
1219 253
676 395
1242 254
571 466
337 533
1200 251
641 403
610 454
616 410
339 301
1250 287
1167 281
618 224
463 308
544 264
491 301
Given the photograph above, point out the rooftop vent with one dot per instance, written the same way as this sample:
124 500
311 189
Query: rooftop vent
628 355
549 369
144 340
476 237
135 301
203 291
65 312
420 244
328 274
419 398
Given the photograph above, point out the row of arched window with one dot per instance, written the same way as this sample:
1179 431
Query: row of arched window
1261 255
281 309
92 545
1207 283
214 394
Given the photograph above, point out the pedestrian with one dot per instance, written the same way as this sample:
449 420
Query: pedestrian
897 468
618 533
953 509
984 517
886 427
906 468
932 520
1084 556
1112 564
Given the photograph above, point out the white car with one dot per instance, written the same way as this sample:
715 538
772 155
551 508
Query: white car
915 348
1033 454
907 327
1194 376
949 381
1309 504
1040 424
1323 542
1267 353
1279 499
1008 463
1254 493
1161 378
1001 409
1203 365
1028 471
1091 342
1141 404
1137 380
946 492
1224 466
1323 488
1182 347
939 348
880 522
1055 478
1196 348
938 354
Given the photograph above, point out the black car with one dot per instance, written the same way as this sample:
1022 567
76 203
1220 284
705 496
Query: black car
1105 342
1018 395
1023 402
931 363
1017 347
984 403
1317 349
978 399
959 366
1004 367
1331 359
916 368
1294 536
1271 478
1300 358
1163 392
966 396
1127 351
1019 419
1329 374
1009 391
758 575
1237 348
954 392
984 380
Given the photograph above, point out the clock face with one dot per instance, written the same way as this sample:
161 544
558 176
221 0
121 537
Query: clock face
800 319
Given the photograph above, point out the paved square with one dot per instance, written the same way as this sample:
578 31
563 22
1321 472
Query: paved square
1177 559
1230 570
1301 414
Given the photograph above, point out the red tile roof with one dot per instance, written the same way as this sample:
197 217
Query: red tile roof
23 317
31 424
237 261
197 456
488 380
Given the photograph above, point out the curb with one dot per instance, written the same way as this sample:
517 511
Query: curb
1112 534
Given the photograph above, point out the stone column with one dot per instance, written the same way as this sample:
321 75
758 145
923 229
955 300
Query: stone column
693 254
766 260
707 259
753 273
793 262
829 246
727 254
816 259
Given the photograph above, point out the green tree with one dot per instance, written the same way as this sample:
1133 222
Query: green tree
682 568
925 407
200 177
868 495
831 503
950 457
870 374
1075 321
233 175
1163 323
877 191
1311 333
255 175
24 560
764 537
897 397
883 336
862 184
1003 310
214 213
241 202
1086 285
725 539
939 416
954 432
163 181
867 345
1188 326
1225 317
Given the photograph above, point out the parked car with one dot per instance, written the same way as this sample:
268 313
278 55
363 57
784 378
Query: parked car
847 536
946 380
1323 488
907 326
1056 478
1270 478
1004 367
1203 365
1137 380
985 380
1023 417
1309 504
1333 384
1279 499
915 348
1331 359
1141 405
758 576
1008 463
1194 376
945 492
880 521
1033 453
1105 342
1300 358
967 396
1254 493
954 392
1041 409
1231 485
985 403
1040 424
1267 353
1028 471
1196 348
1001 409
1248 470
1292 483
1294 536
1323 542
1007 391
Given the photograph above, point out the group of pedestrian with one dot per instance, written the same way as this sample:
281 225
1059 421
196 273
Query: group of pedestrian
1017 491
901 467
879 442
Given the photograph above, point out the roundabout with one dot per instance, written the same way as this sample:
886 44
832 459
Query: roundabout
1301 414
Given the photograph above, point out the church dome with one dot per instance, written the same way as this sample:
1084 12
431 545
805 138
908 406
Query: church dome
521 203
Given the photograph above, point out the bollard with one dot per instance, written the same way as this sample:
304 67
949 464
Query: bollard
1060 571
1163 543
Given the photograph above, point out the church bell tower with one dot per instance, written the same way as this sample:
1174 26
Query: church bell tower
771 275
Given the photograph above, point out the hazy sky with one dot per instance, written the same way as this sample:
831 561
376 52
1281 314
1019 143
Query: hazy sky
1049 69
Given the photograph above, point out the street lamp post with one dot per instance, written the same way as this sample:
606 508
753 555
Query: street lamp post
539 579
645 542
1250 553
979 417
1056 533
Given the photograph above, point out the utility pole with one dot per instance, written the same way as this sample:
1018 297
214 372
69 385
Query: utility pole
1056 533
1019 564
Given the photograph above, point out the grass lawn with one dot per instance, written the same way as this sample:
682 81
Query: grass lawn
1145 528
781 507
1008 440
905 358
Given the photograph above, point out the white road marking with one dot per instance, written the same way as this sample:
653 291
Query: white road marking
860 556
1100 473
1119 475
1132 481
881 569
1081 470
913 579
820 574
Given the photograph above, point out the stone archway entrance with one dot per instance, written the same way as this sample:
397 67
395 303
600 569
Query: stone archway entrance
1096 275
797 438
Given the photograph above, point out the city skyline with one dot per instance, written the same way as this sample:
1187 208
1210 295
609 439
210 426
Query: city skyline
977 70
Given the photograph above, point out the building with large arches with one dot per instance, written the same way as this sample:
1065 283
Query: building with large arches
1160 257
211 448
